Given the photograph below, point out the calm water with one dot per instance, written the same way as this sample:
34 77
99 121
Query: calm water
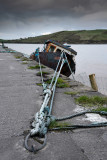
89 59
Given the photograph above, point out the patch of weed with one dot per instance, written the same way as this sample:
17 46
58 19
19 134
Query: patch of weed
25 59
55 124
43 73
91 101
60 83
39 84
101 109
71 93
35 67
17 57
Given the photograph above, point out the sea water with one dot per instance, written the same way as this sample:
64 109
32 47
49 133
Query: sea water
91 58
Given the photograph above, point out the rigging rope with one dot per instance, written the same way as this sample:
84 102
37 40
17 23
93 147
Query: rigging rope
43 118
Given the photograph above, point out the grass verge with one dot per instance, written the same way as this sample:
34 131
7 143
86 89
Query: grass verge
91 101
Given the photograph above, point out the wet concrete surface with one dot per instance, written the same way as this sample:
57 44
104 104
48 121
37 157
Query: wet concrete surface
20 99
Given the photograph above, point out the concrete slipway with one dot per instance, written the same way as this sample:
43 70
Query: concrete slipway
20 98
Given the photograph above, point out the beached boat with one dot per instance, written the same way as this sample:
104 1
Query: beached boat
51 54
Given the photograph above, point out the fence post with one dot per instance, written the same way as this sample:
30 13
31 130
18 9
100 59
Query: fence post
93 82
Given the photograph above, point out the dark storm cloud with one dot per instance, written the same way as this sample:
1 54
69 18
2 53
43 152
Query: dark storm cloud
21 15
27 8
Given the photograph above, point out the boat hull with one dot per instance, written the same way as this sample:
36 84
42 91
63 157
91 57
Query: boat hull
50 59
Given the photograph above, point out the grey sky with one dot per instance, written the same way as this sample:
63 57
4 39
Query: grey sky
23 18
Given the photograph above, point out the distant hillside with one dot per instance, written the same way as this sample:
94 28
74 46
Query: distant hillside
74 37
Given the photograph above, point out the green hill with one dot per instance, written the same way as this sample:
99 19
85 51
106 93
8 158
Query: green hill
74 37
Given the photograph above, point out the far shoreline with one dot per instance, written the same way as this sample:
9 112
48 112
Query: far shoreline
100 42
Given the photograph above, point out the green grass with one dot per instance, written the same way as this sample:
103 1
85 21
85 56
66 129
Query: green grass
55 124
36 67
17 57
71 93
91 101
60 83
43 73
101 109
39 84
25 59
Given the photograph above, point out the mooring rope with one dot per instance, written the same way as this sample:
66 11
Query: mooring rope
43 118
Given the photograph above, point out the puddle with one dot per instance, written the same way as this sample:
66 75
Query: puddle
90 116
94 118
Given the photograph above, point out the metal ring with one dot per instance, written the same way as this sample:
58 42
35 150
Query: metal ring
26 143
43 145
32 149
